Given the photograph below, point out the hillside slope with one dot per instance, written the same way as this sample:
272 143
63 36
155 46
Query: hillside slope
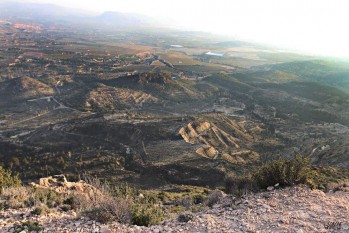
295 210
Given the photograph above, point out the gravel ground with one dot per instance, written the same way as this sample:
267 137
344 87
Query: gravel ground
295 209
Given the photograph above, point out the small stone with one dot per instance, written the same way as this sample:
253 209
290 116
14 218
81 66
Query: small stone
105 230
300 231
167 229
270 188
265 206
73 214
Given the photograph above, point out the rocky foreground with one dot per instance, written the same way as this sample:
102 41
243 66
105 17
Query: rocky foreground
297 209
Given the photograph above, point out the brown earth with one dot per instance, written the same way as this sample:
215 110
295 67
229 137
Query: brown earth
230 142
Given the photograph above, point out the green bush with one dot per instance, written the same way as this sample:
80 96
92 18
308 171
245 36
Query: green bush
285 172
7 179
44 196
28 226
328 178
146 215
198 199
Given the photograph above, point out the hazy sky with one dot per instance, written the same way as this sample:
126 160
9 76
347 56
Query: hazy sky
315 26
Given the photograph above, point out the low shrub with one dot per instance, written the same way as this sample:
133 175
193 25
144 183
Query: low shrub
28 227
186 201
71 202
285 172
103 204
147 214
213 198
21 196
120 203
239 186
40 210
175 210
329 178
163 196
45 196
185 217
105 208
100 215
16 197
338 186
197 208
65 207
198 199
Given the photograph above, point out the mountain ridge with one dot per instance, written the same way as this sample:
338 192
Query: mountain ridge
51 13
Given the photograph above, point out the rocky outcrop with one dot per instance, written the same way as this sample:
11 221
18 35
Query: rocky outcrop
59 184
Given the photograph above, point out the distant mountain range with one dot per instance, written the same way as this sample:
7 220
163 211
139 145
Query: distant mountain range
49 13
111 17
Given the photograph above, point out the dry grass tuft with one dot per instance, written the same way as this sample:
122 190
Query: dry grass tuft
16 197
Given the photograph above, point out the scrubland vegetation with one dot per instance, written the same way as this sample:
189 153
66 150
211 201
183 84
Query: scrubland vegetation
124 204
